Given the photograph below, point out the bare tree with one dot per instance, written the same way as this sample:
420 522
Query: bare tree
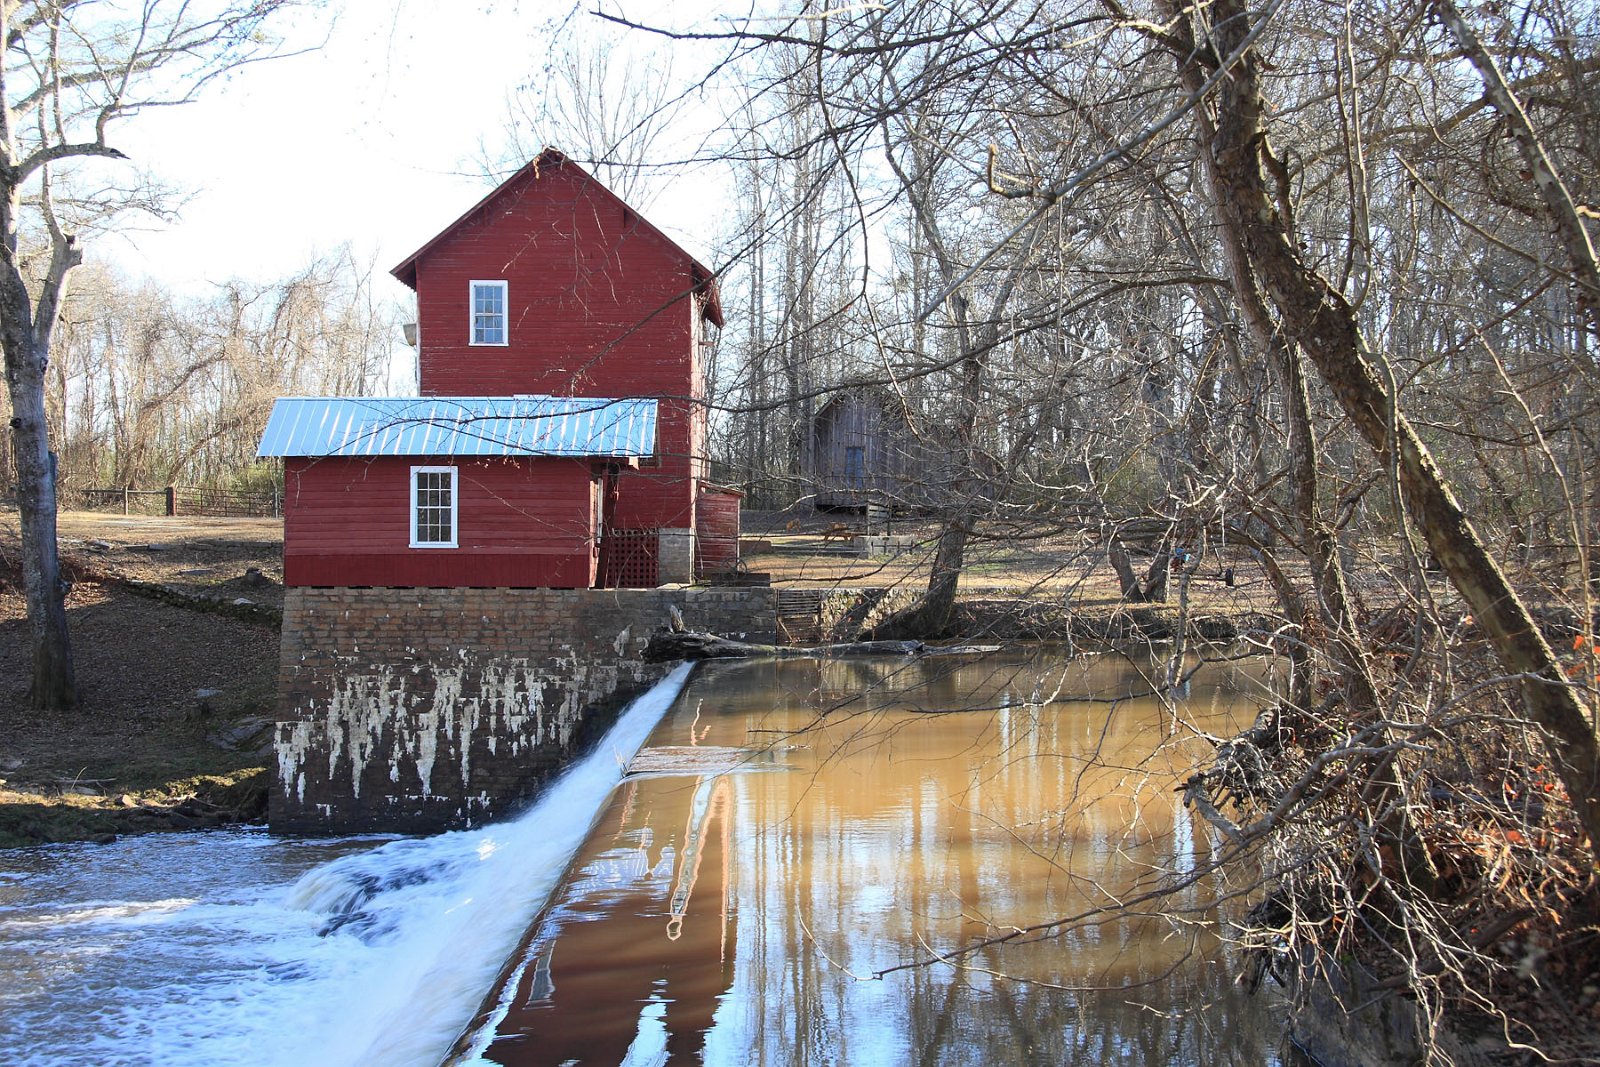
1282 274
72 71
1321 320
599 103
1541 169
150 388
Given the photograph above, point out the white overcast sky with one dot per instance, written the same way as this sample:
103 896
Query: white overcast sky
372 139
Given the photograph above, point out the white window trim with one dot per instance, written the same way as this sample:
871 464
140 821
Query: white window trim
455 506
472 314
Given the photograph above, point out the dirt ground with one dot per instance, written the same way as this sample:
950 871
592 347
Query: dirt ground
174 702
811 551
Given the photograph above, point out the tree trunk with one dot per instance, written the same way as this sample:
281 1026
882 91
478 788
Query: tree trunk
1323 323
1317 538
25 330
932 615
53 685
1117 553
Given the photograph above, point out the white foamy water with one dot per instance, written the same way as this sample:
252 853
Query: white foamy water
239 948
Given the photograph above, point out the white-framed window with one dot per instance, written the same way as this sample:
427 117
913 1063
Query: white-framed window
433 507
488 301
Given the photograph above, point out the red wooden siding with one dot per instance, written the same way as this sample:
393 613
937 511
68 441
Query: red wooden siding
717 532
598 304
521 523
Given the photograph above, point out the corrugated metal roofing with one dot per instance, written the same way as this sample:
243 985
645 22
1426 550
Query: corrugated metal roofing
459 426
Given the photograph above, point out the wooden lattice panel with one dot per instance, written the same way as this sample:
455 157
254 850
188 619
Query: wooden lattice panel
630 559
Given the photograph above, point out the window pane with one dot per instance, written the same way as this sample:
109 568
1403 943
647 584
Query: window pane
489 314
435 507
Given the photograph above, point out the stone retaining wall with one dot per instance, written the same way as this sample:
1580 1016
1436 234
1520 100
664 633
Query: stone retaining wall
420 710
843 613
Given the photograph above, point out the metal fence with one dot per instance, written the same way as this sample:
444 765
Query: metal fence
185 500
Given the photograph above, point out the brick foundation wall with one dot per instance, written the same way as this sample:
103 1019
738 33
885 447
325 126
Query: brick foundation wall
420 710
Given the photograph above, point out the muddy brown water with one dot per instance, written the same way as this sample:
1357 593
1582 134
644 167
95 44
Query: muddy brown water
800 861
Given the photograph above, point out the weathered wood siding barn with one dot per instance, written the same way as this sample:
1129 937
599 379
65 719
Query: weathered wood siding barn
863 451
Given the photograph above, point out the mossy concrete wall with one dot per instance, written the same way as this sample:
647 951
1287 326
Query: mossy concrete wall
420 710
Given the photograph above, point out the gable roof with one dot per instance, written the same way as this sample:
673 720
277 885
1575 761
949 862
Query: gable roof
703 281
891 402
317 426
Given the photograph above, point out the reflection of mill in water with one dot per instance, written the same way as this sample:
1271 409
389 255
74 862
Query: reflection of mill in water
711 795
673 984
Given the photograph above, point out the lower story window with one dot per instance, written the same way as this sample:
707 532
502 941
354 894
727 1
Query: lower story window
433 507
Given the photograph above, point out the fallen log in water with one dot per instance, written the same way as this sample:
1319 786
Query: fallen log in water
665 645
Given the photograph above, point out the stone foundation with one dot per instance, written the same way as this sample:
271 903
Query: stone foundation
421 710
675 556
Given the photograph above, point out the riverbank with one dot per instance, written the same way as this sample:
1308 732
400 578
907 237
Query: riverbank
175 632
175 637
177 681
172 732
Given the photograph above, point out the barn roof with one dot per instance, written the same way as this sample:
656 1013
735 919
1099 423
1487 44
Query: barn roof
890 401
703 280
459 426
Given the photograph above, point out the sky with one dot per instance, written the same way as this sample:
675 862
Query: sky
374 138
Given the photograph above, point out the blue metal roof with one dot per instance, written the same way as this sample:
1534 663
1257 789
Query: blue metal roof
459 426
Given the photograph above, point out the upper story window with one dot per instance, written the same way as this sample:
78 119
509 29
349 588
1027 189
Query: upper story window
489 313
433 507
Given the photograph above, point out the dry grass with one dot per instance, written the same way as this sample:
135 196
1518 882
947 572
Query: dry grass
1068 569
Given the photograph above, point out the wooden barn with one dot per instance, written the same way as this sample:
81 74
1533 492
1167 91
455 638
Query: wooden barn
547 292
863 451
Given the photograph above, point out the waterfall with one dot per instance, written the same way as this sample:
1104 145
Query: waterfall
435 918
186 950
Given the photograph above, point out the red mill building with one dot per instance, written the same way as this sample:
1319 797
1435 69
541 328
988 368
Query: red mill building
445 646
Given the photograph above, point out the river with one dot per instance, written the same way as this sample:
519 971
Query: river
781 878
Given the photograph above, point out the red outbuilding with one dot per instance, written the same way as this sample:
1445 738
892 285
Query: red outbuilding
549 291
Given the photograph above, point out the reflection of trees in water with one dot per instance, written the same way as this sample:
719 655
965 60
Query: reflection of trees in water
915 844
1041 675
745 914
1195 1016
